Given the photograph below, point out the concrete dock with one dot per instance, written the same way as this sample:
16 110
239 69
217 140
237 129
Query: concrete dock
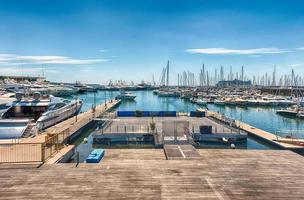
146 174
275 140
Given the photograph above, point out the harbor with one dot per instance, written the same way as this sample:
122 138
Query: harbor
205 142
92 119
153 99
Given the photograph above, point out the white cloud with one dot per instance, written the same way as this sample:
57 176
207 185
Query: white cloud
102 51
26 70
300 48
13 59
224 51
297 65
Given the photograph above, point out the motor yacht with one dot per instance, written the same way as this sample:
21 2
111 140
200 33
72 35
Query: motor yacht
40 112
168 94
219 102
291 112
124 95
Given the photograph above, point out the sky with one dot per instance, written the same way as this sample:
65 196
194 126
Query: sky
95 41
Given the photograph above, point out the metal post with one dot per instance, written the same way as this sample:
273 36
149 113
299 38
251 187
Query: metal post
94 101
105 98
76 108
77 158
94 107
42 152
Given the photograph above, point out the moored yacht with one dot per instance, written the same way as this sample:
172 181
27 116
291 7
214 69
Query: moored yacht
168 94
197 101
124 95
58 110
291 112
219 102
41 112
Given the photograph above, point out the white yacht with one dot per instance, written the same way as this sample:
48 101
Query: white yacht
197 101
84 88
40 112
167 94
58 111
219 102
62 91
126 96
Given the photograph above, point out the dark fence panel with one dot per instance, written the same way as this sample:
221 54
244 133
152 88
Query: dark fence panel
146 113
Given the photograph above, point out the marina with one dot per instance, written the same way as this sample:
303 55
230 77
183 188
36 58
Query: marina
222 134
154 99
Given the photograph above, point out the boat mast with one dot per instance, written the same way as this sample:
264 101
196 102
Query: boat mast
167 70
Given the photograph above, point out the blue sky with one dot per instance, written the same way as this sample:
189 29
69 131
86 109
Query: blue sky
95 41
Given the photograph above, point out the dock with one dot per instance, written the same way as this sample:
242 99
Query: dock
146 174
275 140
168 130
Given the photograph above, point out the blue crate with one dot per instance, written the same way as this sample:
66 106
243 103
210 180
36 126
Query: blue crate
95 156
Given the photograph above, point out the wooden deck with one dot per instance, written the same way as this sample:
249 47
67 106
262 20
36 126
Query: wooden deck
181 152
145 174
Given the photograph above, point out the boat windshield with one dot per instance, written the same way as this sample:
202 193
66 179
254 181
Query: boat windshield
56 106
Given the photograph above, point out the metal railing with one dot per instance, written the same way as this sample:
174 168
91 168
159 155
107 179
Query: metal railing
125 129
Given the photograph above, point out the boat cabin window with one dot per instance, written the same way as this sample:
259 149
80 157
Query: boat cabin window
33 112
56 106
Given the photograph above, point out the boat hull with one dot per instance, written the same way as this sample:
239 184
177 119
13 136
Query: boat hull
51 119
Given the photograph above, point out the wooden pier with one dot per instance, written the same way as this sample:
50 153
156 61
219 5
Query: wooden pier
146 174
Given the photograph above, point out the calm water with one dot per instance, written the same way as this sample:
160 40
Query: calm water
261 117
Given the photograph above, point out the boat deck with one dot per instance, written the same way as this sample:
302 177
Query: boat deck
145 174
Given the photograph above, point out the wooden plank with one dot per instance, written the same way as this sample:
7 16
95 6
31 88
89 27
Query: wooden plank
180 152
220 174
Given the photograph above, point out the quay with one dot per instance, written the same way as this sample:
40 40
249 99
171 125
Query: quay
293 144
146 174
